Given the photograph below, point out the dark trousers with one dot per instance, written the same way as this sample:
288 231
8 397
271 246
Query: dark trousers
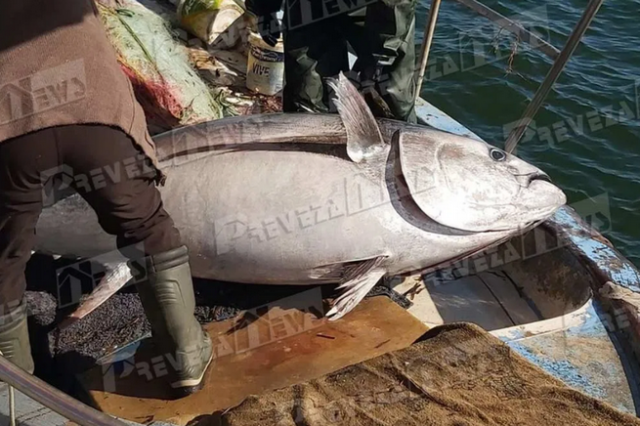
127 202
382 36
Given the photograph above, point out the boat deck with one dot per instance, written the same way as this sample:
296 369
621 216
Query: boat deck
539 303
281 348
288 344
491 300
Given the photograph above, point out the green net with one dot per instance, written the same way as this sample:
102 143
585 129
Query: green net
169 89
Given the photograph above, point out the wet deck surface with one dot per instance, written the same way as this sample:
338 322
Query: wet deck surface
294 346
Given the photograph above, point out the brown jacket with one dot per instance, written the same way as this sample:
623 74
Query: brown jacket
57 67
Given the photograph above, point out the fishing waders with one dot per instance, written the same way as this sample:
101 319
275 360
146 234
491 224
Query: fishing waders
169 303
382 37
14 337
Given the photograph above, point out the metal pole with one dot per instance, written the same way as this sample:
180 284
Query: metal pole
426 44
52 398
12 406
552 76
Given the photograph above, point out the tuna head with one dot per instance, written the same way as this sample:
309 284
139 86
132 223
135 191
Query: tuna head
469 185
457 181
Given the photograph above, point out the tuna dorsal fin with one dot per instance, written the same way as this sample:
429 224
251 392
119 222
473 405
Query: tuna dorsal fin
363 135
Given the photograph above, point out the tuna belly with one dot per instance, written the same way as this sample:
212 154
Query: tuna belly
277 216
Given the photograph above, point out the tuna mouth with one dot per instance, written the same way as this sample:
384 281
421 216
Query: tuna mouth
538 176
525 180
531 225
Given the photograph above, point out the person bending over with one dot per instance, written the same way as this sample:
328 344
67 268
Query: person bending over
66 106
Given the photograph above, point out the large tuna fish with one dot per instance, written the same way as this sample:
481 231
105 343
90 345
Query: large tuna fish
304 198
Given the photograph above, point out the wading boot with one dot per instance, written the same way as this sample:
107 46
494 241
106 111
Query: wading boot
169 303
14 338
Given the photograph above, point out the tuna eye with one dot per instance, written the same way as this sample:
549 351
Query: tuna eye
497 155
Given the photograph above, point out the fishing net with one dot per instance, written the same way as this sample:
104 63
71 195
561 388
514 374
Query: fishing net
457 375
170 91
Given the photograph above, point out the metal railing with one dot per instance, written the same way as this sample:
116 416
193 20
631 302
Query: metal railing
50 397
561 57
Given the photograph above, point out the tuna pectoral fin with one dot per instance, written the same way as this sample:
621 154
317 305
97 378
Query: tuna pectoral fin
420 170
116 277
364 139
356 285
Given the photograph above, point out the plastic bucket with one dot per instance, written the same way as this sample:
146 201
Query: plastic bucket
265 66
212 22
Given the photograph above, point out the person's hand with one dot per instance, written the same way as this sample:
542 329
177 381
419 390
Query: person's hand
270 40
269 28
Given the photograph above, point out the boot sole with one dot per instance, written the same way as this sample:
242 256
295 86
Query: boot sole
185 391
188 387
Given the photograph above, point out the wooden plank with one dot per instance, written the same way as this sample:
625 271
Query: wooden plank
517 307
375 327
468 299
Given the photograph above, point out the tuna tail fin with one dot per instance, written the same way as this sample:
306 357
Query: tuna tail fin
117 276
356 285
364 139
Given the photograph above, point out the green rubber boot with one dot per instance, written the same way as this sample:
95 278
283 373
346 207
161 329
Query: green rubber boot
169 303
14 338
